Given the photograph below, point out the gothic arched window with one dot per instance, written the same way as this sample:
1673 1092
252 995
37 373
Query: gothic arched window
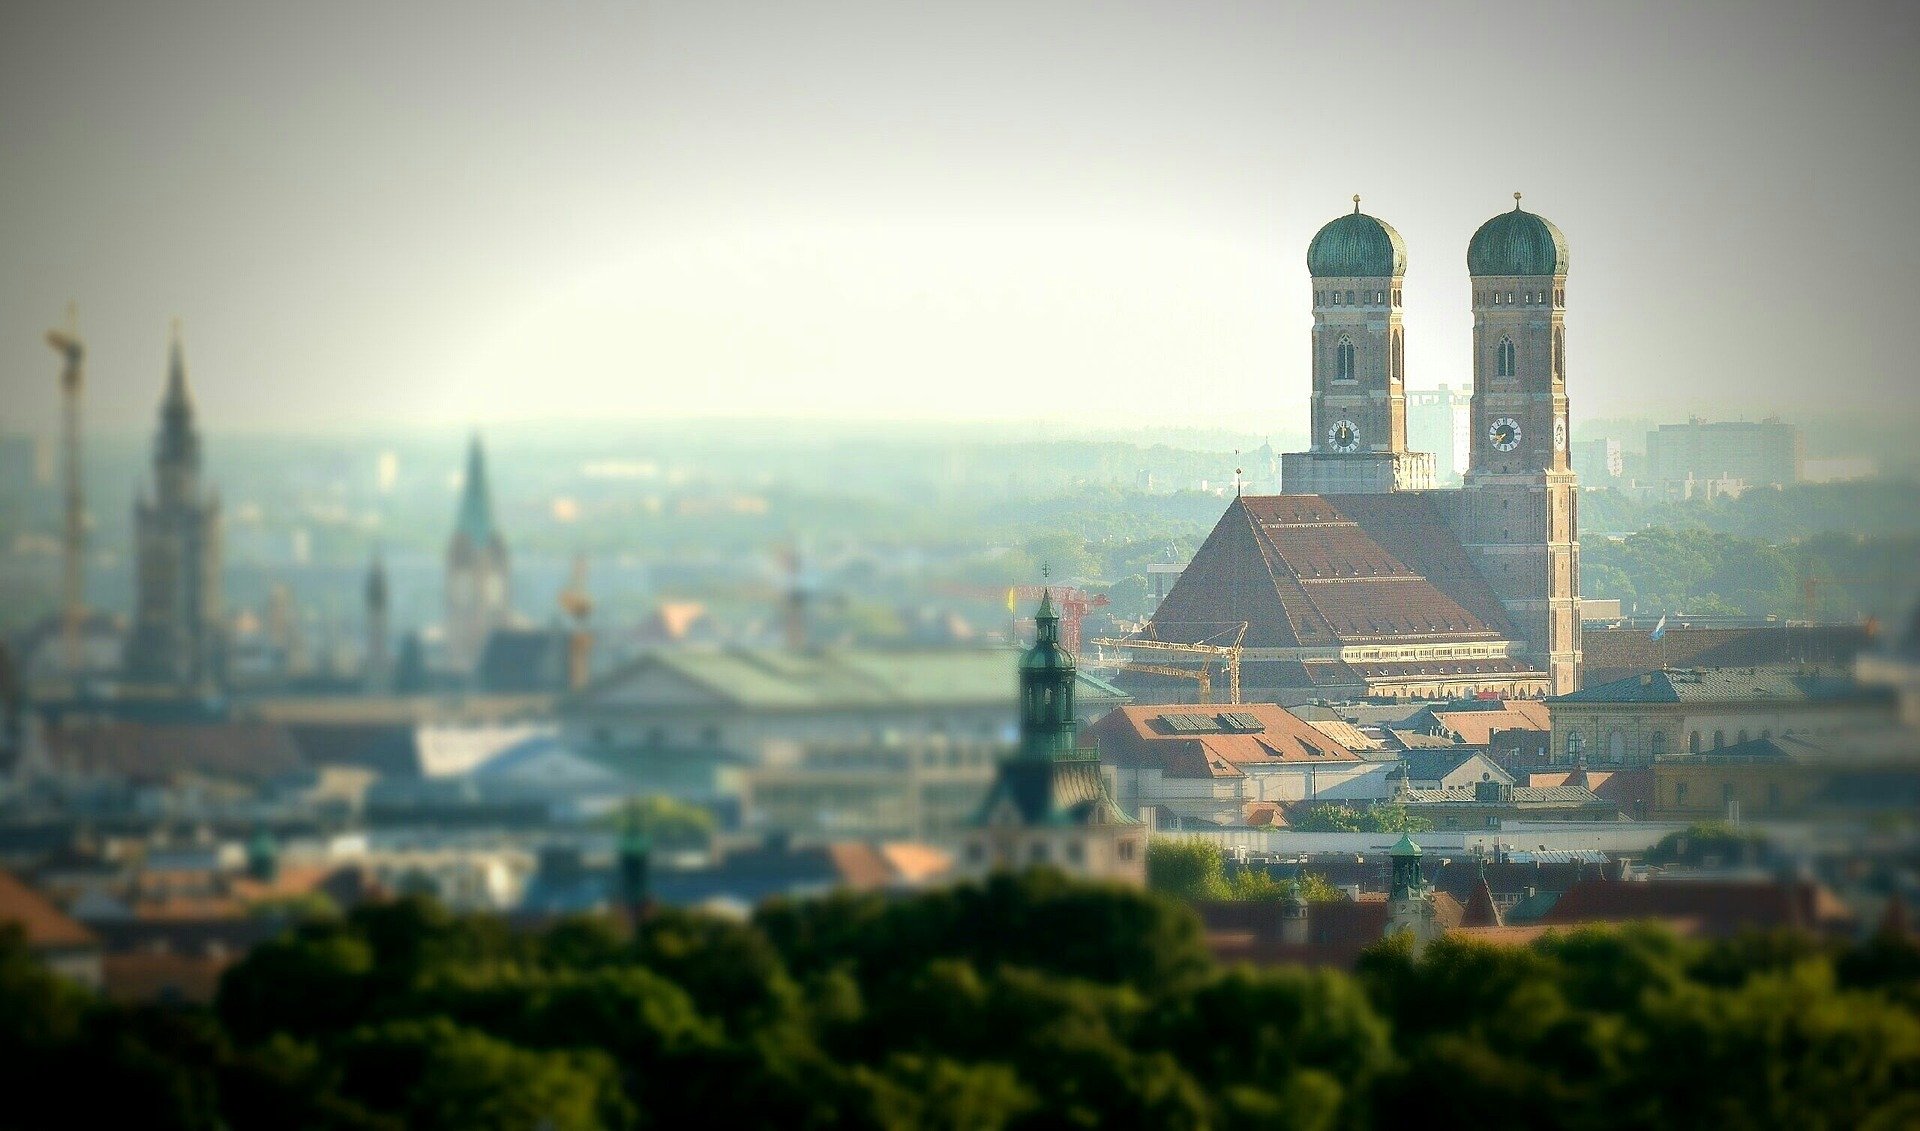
1559 354
1399 359
1504 362
1343 360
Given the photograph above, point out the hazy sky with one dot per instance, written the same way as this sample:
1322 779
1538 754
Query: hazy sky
465 213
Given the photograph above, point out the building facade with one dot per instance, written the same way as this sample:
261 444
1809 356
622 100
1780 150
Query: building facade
177 640
1676 712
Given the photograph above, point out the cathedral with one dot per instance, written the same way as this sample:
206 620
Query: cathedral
177 640
1362 579
478 598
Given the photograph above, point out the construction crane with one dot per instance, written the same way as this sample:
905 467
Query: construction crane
1073 604
1209 654
1201 675
578 605
73 607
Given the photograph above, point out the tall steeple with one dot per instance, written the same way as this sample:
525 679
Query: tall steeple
475 520
178 638
1047 678
377 672
1049 803
477 575
178 444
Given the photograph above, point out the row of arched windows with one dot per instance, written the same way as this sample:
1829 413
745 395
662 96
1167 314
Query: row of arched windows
1520 298
1354 298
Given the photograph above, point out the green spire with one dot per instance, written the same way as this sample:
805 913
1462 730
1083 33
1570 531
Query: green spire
476 502
1046 689
178 444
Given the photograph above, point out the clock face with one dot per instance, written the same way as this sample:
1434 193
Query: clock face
1344 436
1505 433
1559 435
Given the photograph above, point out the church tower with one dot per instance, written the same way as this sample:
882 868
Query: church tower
1049 804
1359 366
377 671
1517 514
177 640
477 577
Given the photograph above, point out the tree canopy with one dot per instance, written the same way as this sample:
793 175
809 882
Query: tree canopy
1023 1002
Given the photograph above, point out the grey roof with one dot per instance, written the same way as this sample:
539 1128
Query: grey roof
1432 765
1722 685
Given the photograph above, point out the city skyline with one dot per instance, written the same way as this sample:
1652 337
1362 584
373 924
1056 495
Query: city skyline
1097 213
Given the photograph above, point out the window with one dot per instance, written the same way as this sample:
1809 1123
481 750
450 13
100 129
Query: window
1349 298
1679 794
1343 360
1124 850
1575 744
1504 362
1076 852
1719 739
1616 745
1509 298
1743 736
1399 359
1693 743
1336 298
1766 732
1379 298
1559 354
1657 745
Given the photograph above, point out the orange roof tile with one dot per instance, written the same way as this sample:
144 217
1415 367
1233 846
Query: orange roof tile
45 925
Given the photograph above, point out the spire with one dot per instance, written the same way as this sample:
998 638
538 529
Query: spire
1356 204
1481 910
1516 202
377 582
1046 621
178 444
476 502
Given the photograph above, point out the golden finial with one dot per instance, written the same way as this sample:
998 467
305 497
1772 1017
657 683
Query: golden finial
1516 202
1356 204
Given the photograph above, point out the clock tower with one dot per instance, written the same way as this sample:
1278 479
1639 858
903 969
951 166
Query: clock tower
1359 366
1517 514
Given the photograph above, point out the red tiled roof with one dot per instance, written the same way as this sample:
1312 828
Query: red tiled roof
1722 907
45 925
1142 737
1631 790
1476 728
1317 570
139 979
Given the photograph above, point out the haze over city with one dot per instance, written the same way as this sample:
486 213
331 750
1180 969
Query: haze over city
448 215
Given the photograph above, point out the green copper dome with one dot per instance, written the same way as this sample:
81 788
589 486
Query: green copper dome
1357 246
1046 653
1517 243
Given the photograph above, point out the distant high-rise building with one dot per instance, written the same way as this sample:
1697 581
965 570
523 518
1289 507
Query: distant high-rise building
478 599
1441 421
1599 463
178 639
1767 453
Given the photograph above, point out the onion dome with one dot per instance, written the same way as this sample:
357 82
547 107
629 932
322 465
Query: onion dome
1517 243
1046 653
1357 246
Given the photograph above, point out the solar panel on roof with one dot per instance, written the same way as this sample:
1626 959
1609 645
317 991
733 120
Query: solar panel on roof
1241 721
